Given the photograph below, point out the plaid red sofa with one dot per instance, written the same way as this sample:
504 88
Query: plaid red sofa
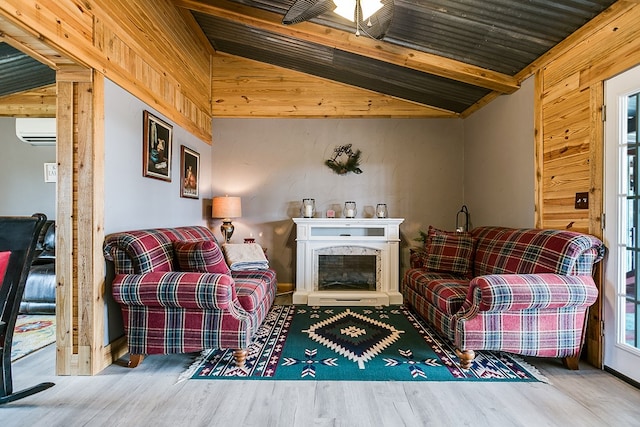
523 291
177 294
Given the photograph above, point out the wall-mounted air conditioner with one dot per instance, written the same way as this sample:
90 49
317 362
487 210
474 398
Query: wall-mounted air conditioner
36 131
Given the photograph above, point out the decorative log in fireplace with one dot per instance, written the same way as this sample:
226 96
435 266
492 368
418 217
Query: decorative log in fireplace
347 262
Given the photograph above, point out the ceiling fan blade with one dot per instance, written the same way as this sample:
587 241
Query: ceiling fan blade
303 10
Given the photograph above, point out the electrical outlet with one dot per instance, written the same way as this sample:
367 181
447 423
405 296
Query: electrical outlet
582 200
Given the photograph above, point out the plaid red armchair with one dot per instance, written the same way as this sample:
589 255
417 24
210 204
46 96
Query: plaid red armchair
177 294
523 291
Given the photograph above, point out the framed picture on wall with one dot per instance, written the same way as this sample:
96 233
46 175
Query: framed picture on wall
156 152
189 173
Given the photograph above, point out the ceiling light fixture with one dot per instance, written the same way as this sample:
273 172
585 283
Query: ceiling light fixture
356 10
372 17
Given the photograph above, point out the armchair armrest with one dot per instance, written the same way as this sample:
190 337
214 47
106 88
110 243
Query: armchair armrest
508 292
417 257
175 289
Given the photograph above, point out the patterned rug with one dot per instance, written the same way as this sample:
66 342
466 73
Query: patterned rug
32 332
354 344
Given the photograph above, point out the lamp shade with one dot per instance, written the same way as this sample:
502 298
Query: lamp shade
226 207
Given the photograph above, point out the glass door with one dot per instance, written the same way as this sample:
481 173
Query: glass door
622 226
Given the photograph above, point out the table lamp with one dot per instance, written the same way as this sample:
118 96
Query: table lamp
226 207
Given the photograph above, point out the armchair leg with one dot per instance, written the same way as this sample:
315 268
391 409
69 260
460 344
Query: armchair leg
135 360
466 357
239 355
571 362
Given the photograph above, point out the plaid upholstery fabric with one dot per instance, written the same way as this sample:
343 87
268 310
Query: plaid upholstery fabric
451 254
528 251
510 292
445 291
167 311
203 256
530 294
417 257
143 251
540 333
175 289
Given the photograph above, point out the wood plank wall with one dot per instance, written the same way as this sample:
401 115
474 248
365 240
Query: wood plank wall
151 52
246 88
569 129
39 102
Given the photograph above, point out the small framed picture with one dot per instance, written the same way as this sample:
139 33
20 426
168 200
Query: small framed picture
50 172
189 173
156 152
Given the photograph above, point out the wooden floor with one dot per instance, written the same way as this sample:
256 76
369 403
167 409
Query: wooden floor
151 395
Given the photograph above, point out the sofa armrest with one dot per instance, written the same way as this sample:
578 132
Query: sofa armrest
509 292
417 257
175 289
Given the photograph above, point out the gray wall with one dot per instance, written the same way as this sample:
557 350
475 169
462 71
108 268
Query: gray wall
131 200
499 149
424 169
415 166
23 191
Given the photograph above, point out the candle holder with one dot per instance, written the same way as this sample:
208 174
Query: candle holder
308 208
381 210
350 209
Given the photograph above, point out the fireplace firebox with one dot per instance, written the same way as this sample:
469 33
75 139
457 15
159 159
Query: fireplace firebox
347 261
346 272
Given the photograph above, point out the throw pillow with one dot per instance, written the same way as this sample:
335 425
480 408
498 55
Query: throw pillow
4 263
432 231
451 253
202 256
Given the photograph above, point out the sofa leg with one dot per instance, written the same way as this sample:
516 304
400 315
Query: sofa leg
239 355
571 362
135 360
466 357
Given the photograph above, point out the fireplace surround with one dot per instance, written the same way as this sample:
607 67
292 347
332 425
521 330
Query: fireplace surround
347 261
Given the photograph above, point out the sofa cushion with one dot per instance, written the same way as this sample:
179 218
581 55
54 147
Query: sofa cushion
451 253
202 256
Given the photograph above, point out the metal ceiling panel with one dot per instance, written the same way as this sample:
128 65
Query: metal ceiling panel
500 35
340 66
19 72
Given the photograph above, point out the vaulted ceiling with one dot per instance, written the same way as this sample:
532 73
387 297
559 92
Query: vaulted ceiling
447 54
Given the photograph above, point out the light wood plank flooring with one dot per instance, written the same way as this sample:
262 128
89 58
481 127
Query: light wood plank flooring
151 395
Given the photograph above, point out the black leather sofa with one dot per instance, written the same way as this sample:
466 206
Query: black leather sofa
40 289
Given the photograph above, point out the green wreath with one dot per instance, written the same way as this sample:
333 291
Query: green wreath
351 164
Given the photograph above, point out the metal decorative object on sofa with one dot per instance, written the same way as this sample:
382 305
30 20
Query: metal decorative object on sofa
523 291
170 305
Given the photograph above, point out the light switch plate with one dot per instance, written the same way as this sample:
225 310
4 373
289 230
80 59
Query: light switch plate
582 200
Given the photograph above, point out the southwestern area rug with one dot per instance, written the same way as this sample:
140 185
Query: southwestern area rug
32 332
354 344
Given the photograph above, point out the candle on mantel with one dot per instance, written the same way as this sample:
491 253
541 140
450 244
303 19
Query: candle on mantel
349 213
308 211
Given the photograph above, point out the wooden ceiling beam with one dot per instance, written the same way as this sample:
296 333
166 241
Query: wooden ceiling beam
349 42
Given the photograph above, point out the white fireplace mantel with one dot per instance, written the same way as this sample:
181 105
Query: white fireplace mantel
314 235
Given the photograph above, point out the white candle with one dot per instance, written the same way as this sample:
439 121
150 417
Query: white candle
349 213
308 211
